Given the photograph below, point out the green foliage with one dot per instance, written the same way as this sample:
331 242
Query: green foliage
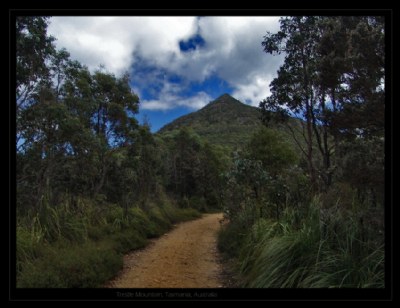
55 250
280 238
257 178
88 176
142 222
280 255
271 149
72 125
193 169
232 235
224 122
128 240
29 246
175 215
328 228
86 265
33 48
332 87
92 183
362 167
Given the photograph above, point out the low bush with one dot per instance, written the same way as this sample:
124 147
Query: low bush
67 247
314 253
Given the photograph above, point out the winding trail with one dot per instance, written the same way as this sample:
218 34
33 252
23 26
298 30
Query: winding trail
186 257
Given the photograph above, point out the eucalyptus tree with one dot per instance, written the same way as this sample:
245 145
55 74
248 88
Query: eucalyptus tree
332 80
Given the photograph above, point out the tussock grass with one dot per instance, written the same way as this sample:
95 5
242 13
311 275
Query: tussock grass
313 254
71 267
82 245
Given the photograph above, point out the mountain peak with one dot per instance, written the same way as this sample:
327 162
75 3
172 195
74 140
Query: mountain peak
224 96
224 99
224 121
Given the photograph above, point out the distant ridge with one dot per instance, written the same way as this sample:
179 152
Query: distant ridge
225 121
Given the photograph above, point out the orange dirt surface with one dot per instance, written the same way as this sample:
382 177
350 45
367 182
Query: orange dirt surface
186 257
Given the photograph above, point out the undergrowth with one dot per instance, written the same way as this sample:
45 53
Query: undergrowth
333 252
81 244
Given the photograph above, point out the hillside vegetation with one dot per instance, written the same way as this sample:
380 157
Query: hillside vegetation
310 214
224 121
91 182
228 123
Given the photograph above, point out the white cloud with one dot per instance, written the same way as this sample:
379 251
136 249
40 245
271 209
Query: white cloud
241 61
112 41
169 102
254 92
232 51
170 98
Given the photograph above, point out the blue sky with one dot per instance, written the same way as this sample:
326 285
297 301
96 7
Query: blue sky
177 64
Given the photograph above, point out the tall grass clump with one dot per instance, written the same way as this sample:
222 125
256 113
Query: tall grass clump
81 243
80 266
317 254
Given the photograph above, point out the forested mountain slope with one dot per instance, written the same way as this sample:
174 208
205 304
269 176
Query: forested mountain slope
224 121
228 122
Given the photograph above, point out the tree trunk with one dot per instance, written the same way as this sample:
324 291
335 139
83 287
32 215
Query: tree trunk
311 167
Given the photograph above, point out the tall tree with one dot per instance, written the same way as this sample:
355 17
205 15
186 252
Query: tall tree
33 48
71 125
327 85
270 148
112 119
293 88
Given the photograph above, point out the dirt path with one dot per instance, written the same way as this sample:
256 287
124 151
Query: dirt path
186 257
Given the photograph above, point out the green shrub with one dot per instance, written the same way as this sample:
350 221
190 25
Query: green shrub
127 240
174 214
278 255
162 222
231 238
78 266
141 222
199 204
82 246
187 214
29 247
